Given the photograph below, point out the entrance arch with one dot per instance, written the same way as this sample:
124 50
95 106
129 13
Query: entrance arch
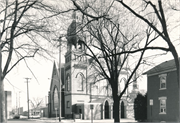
122 110
106 110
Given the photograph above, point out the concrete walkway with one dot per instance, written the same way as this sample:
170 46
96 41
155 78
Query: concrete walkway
50 120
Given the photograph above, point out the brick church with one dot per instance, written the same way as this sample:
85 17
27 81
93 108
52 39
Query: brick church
80 88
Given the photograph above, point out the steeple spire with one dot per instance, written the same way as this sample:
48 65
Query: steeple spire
74 15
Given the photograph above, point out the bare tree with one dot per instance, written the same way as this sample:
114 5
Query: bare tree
112 45
162 31
36 103
26 28
158 10
112 52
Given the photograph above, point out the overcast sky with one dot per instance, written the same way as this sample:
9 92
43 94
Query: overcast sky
42 69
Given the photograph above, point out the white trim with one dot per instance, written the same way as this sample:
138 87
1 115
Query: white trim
162 98
163 75
162 89
162 113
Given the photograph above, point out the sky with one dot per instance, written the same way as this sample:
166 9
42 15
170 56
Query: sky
42 68
15 81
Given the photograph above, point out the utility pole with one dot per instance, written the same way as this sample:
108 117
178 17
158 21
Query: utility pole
16 104
19 102
27 81
59 79
46 101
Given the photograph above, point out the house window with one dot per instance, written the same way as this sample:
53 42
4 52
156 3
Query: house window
162 81
80 81
67 104
68 83
162 101
55 98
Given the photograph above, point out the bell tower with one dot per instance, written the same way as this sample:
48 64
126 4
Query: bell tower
75 68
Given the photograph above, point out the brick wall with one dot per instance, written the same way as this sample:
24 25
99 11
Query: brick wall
171 92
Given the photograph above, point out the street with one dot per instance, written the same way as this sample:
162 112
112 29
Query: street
66 121
28 121
23 121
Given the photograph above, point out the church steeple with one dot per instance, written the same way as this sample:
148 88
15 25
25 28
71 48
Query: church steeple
74 36
76 40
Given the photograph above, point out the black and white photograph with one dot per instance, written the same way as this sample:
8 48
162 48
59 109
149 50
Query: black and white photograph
89 61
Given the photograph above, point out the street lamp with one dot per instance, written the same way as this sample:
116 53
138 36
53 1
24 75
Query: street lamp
56 113
91 107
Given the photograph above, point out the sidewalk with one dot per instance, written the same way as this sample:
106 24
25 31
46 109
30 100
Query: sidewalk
54 120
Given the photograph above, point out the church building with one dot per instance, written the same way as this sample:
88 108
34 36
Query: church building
80 92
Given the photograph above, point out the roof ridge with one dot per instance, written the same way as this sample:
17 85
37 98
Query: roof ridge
166 65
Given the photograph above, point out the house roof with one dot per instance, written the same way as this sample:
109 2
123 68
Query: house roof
164 66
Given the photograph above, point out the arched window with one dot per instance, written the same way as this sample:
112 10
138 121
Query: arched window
109 91
122 110
55 98
121 85
68 82
80 81
106 110
124 84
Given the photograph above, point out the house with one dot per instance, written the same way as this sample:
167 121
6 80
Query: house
81 91
44 111
162 93
35 111
41 111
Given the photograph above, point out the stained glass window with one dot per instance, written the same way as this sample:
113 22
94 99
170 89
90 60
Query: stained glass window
68 82
55 98
80 80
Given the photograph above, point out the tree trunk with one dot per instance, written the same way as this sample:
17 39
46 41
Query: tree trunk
116 110
2 95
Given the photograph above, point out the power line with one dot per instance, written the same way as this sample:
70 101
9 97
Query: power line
13 85
31 71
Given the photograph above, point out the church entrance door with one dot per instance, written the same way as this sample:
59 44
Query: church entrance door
122 110
106 110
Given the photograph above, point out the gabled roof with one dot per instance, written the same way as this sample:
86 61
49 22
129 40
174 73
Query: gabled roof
164 66
57 71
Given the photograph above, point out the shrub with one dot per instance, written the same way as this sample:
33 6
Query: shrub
140 107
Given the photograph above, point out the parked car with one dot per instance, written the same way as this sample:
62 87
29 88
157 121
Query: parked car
16 116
